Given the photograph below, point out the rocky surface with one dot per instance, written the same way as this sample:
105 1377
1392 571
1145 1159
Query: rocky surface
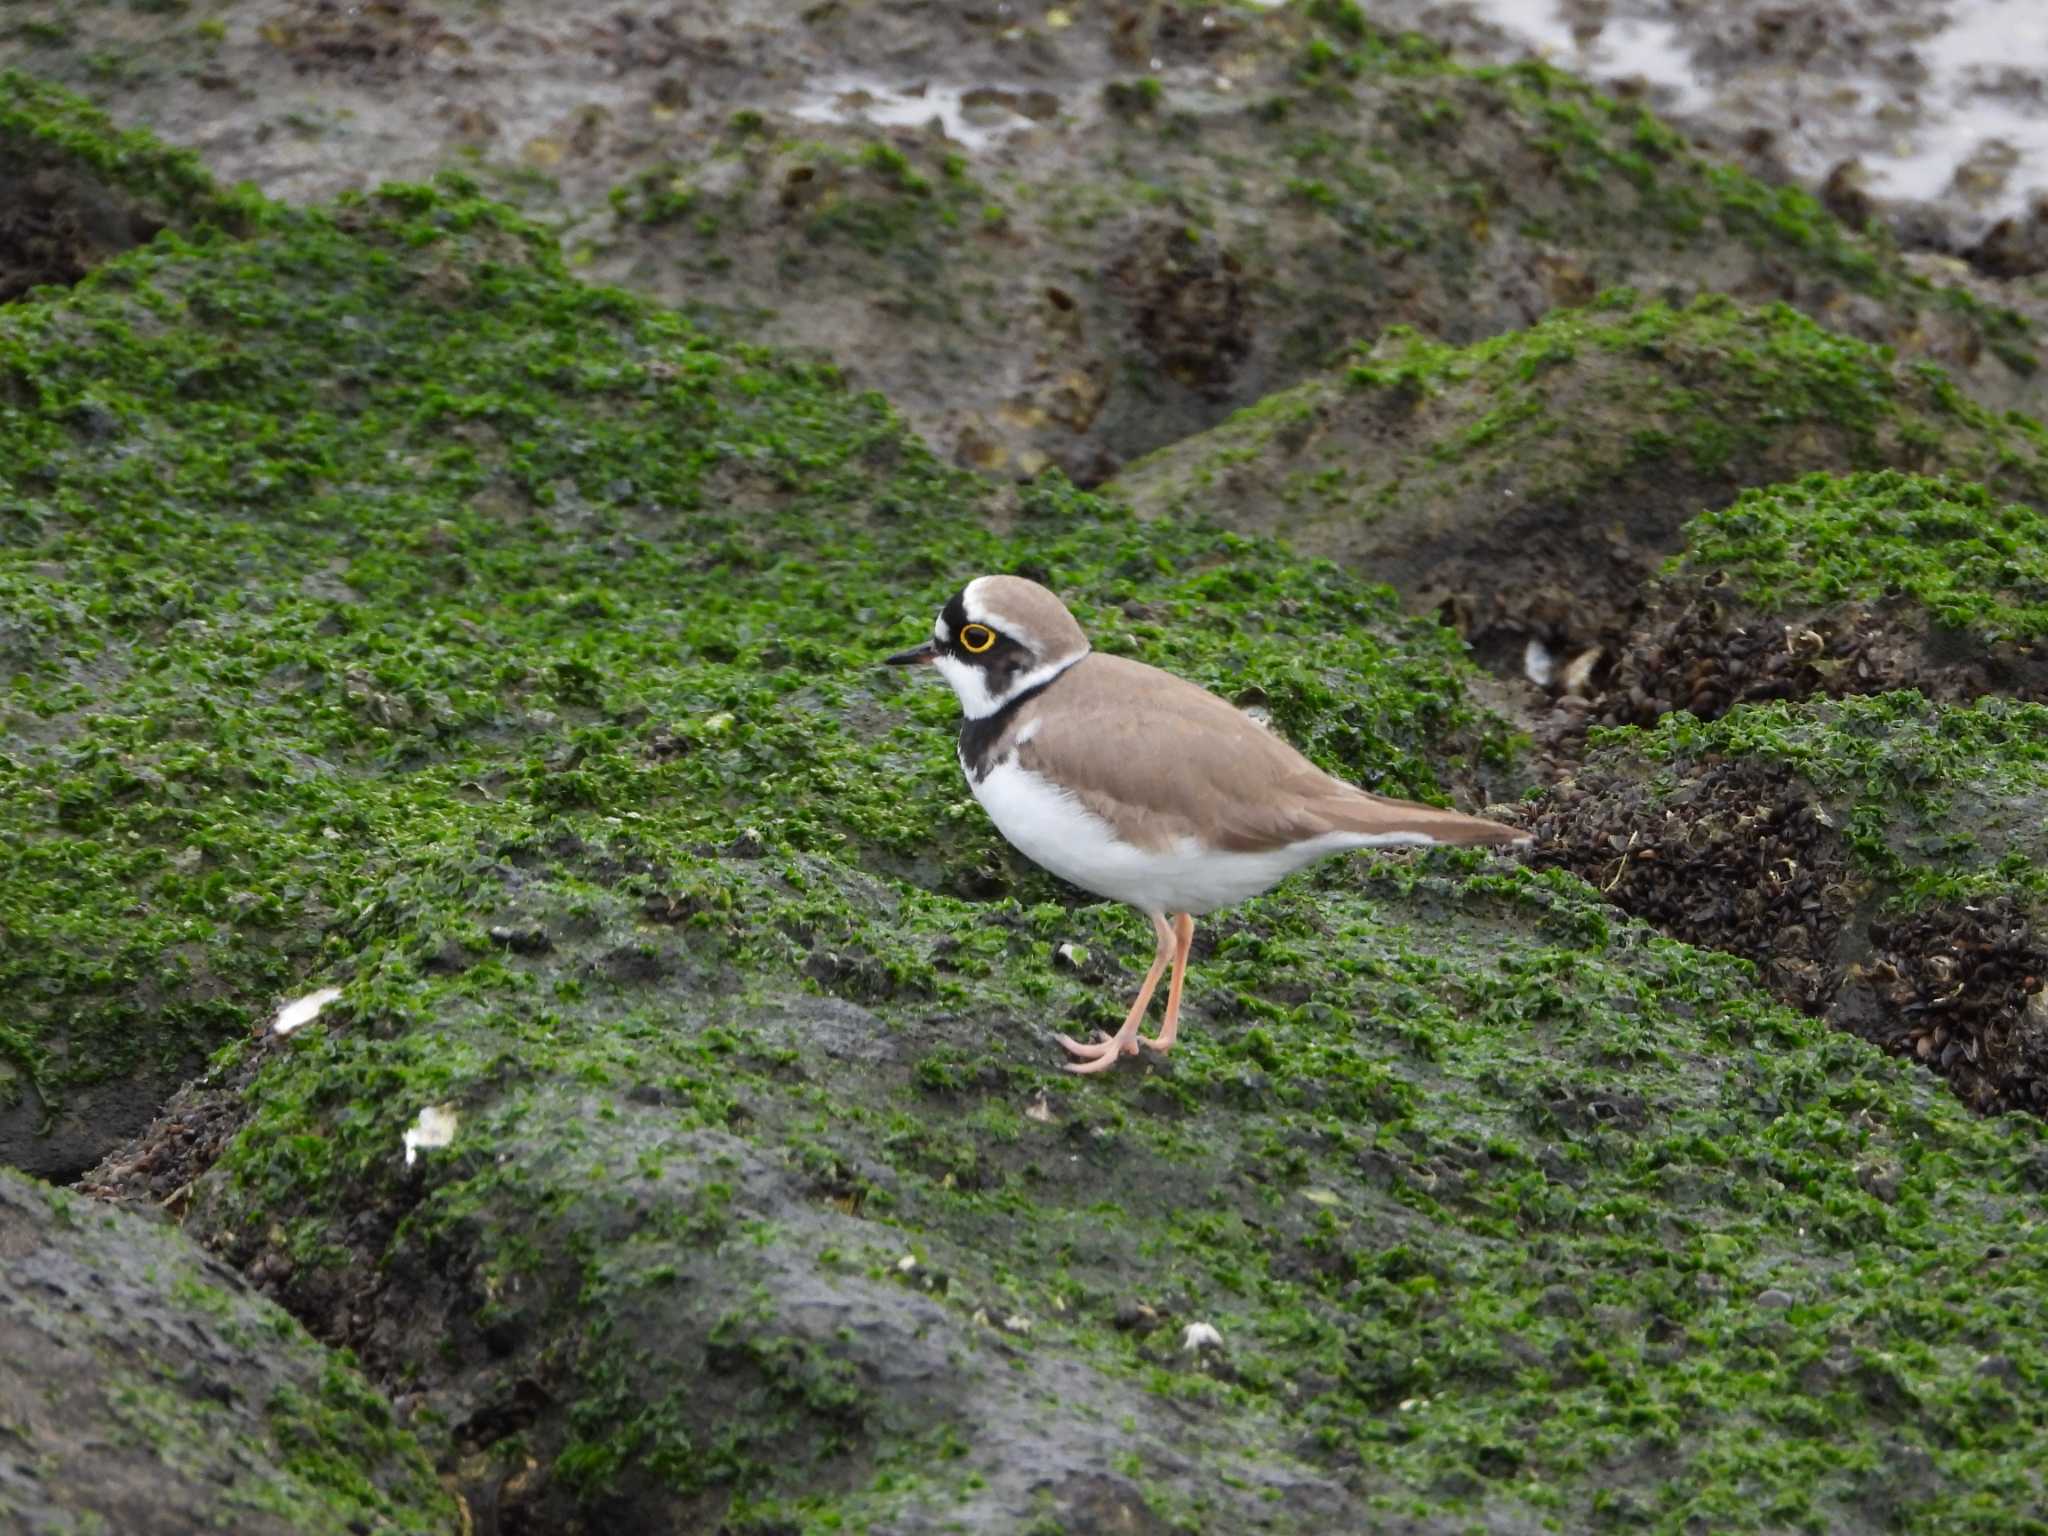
1830 586
79 191
146 1390
1932 117
1050 234
395 618
1527 487
1878 858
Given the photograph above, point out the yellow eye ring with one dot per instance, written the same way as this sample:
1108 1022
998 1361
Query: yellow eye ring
976 638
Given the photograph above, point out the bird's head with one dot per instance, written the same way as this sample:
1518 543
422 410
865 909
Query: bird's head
998 637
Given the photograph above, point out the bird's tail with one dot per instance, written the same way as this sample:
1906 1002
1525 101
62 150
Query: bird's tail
1380 821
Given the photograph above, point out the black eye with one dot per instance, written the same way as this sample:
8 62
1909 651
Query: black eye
976 638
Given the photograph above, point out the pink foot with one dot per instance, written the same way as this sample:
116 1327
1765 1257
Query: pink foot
1103 1052
1100 1054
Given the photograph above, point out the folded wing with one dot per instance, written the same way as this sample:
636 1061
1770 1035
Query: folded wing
1166 760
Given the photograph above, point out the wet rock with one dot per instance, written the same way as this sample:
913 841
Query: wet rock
59 1141
57 224
1741 849
1835 587
2017 245
1526 490
65 206
763 1182
1188 301
378 39
1846 194
149 1391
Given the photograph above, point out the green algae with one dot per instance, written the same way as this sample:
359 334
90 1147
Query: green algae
1941 803
1620 153
1946 546
1370 182
82 190
398 611
45 125
1782 369
1585 410
1599 141
869 198
1475 1204
451 617
1527 484
331 625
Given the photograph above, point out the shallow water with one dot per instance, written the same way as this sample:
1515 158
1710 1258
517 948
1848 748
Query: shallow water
1940 108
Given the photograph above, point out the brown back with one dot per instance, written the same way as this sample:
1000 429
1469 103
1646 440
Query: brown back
1162 759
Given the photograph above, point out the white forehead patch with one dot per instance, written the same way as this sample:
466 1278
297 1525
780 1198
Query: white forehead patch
971 600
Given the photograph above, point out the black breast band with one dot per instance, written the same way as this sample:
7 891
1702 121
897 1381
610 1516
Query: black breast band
978 738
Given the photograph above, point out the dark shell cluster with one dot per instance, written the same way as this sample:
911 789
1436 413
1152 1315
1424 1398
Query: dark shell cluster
1737 858
1960 988
1699 648
1740 857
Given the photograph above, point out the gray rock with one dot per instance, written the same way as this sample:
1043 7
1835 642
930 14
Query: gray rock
144 1389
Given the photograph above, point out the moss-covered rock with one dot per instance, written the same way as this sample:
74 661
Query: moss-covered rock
340 558
1841 585
1141 219
1945 547
75 190
686 1144
1530 483
1504 1212
148 1391
1128 286
1881 858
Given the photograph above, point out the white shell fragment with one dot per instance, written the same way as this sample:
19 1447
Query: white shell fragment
302 1010
434 1127
1199 1336
1578 673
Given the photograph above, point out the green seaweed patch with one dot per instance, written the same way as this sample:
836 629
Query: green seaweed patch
1497 1201
1581 411
905 206
1714 384
1974 564
1621 153
47 130
512 643
327 1436
1942 803
344 555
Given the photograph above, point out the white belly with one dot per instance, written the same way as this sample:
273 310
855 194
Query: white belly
1054 830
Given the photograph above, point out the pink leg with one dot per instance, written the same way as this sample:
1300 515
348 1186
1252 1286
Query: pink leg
1100 1054
1169 1028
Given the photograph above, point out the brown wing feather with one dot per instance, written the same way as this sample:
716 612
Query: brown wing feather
1165 759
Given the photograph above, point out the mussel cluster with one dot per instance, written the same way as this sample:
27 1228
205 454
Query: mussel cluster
1736 857
1960 988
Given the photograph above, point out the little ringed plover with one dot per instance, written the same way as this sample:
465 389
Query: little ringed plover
1140 786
